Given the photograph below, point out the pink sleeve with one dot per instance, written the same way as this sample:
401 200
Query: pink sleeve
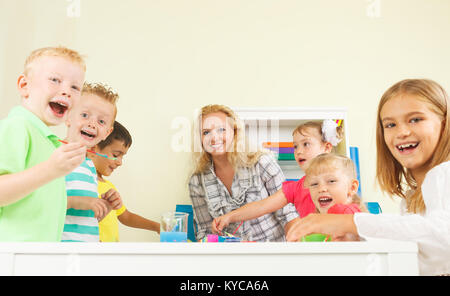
288 188
296 194
344 209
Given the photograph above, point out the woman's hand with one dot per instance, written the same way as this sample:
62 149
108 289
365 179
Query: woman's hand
219 223
335 225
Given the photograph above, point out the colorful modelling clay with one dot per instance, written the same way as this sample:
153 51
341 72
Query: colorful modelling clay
316 237
212 238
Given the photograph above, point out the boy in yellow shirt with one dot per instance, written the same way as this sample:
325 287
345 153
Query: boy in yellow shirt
116 145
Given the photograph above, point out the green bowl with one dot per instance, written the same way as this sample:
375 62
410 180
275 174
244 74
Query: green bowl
315 237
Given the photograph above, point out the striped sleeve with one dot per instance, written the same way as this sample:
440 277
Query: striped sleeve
81 225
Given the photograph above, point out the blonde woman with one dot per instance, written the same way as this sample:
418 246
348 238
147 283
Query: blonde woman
226 176
413 162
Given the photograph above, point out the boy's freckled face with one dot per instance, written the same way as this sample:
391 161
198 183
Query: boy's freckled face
51 88
90 121
105 167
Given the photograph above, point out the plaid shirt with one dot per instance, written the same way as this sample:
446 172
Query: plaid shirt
211 199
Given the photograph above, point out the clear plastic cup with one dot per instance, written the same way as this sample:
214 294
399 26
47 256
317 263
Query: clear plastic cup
174 227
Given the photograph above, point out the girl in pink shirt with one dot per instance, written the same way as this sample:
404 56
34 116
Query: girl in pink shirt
310 139
332 183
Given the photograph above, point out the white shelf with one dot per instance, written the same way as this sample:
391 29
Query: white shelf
290 113
277 124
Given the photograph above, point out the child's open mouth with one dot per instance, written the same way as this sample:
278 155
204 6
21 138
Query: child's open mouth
301 161
325 201
407 147
59 108
87 135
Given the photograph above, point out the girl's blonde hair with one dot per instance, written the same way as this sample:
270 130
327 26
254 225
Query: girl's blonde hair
328 162
238 157
391 175
317 125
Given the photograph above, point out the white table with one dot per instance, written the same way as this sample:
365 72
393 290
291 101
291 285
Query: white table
380 257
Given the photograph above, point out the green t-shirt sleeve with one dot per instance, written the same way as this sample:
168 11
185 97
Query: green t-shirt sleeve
15 141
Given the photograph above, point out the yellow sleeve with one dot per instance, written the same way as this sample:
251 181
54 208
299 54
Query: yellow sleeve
103 187
109 226
121 210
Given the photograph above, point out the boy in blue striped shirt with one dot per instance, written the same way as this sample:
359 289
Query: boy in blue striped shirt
89 122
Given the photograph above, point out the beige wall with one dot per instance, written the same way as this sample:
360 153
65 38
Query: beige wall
168 57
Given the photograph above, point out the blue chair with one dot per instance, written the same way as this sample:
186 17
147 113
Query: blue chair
354 156
373 207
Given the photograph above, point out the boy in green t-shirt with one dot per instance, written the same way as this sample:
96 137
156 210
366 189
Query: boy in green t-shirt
33 163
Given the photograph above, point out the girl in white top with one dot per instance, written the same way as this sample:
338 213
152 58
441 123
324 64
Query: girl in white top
413 162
